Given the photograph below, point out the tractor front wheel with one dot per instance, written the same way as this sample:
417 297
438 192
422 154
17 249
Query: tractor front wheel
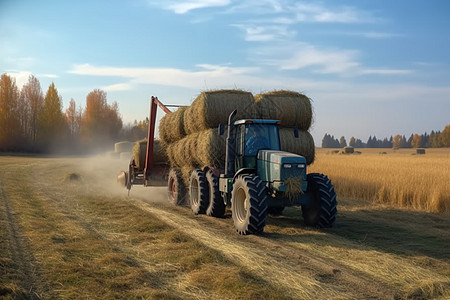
323 209
198 192
249 204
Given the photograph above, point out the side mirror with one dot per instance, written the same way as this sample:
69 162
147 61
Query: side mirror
221 129
296 132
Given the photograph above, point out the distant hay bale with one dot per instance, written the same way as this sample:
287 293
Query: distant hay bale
291 108
200 149
420 151
348 150
303 145
123 147
140 150
212 108
171 126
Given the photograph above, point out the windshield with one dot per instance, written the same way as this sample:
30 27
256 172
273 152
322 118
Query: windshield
260 137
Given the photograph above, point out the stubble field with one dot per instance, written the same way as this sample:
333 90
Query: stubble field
67 232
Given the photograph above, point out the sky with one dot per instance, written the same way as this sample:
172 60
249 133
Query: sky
371 68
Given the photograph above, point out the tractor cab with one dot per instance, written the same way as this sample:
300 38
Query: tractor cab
251 136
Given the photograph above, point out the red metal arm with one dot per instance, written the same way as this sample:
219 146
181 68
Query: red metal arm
149 162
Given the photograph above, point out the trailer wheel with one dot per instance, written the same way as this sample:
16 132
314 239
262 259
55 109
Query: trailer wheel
323 210
198 192
176 188
249 204
216 207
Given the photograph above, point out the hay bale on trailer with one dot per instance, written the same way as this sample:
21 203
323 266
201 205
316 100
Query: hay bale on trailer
197 150
212 108
171 126
303 145
140 150
291 108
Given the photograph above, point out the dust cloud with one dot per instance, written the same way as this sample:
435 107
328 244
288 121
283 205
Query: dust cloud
99 177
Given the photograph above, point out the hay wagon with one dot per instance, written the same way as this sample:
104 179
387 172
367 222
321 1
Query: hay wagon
228 150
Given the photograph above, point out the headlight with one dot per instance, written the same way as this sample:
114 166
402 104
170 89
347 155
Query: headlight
287 166
301 166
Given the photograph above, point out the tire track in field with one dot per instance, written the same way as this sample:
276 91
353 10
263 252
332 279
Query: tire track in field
22 259
304 276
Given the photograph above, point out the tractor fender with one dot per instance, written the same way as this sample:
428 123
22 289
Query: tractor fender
244 171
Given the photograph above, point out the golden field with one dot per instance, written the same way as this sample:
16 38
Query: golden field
397 178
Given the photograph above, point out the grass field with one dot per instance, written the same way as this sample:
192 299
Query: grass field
67 232
395 178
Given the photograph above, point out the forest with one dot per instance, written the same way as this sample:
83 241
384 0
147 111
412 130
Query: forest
36 123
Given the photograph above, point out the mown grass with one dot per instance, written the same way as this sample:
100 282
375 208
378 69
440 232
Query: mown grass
100 247
397 178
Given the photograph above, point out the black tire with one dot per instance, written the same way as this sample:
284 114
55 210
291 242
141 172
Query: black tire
216 207
275 211
198 192
322 213
249 204
176 190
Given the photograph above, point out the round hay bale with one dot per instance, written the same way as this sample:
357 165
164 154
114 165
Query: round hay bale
212 108
291 108
303 145
123 147
140 150
349 150
200 149
171 126
420 151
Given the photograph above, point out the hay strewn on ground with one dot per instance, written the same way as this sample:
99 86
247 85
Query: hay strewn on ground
303 145
212 108
291 108
140 149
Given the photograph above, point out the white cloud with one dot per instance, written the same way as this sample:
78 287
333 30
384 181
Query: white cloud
20 77
182 7
117 87
386 71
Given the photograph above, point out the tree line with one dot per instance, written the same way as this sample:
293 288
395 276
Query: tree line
33 122
435 139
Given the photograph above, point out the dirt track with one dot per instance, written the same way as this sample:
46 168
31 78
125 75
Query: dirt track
364 257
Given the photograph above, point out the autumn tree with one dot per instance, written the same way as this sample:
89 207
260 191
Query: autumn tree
352 141
397 141
33 99
342 142
415 143
101 122
9 120
51 121
445 136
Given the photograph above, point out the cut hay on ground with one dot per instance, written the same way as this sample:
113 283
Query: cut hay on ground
212 108
303 145
140 150
291 108
171 126
200 149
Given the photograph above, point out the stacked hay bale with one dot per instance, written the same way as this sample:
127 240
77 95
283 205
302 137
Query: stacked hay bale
190 135
140 150
292 109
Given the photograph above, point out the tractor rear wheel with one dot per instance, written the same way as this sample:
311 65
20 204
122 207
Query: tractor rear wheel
176 190
323 209
198 192
249 204
216 207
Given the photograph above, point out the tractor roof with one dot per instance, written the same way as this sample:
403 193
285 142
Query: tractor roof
257 121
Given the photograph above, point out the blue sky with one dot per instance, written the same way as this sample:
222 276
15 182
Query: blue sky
371 67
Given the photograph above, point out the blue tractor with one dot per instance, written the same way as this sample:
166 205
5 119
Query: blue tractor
259 179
